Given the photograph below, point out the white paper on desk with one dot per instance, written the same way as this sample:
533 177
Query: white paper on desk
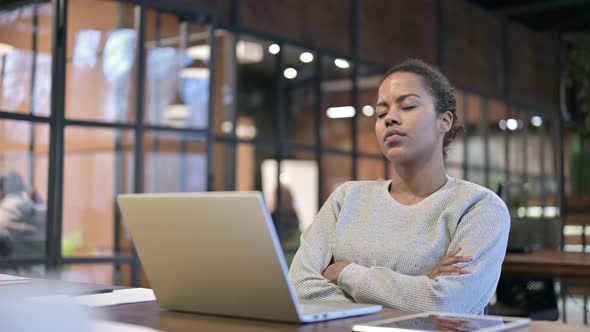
105 326
118 296
8 279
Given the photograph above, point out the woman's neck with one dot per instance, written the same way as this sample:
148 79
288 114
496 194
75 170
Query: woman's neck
411 183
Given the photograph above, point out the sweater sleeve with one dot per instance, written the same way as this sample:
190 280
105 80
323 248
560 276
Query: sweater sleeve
482 233
314 255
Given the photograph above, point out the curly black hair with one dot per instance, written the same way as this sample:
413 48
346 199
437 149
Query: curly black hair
439 87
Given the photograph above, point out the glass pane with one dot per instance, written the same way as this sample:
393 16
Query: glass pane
23 187
371 169
477 175
98 166
497 178
177 71
250 161
515 125
474 125
456 151
90 273
552 151
300 95
550 158
336 170
101 43
302 170
223 166
497 127
28 271
25 67
123 276
299 196
337 109
533 203
225 83
257 94
533 144
175 162
456 172
368 90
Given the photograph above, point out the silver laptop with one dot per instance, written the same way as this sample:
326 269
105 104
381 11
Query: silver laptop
218 253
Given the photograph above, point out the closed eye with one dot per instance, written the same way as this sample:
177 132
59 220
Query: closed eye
407 108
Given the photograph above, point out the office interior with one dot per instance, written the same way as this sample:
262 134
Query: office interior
101 98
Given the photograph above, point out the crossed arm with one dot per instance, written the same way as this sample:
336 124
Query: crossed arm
448 287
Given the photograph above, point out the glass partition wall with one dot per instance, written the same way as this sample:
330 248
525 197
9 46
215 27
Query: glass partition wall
145 99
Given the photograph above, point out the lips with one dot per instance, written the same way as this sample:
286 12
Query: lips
393 136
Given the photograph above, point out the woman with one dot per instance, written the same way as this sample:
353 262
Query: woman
396 242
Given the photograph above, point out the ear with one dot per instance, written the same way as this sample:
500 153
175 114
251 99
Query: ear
445 122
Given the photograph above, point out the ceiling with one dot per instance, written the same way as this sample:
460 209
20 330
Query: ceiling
560 16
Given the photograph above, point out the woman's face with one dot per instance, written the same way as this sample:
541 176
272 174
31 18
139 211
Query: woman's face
407 125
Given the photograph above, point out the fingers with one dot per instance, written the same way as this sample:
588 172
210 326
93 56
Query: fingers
441 274
453 253
455 260
447 271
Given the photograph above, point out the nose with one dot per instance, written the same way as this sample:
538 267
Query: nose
392 118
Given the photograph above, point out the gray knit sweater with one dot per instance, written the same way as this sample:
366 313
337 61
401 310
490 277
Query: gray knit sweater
393 247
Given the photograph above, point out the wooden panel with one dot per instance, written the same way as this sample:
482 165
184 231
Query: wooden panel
577 219
576 239
546 82
578 201
389 34
280 17
549 263
326 24
221 8
522 67
532 66
473 47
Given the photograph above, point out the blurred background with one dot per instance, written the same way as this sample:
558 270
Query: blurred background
100 98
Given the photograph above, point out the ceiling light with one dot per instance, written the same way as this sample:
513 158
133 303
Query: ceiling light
249 52
227 127
368 110
285 178
341 63
306 57
502 124
274 49
176 112
537 121
340 112
246 131
290 73
194 73
199 52
5 48
511 124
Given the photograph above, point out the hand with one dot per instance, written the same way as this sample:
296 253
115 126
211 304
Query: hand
332 272
447 265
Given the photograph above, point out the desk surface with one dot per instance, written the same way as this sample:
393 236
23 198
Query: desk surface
551 263
150 314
